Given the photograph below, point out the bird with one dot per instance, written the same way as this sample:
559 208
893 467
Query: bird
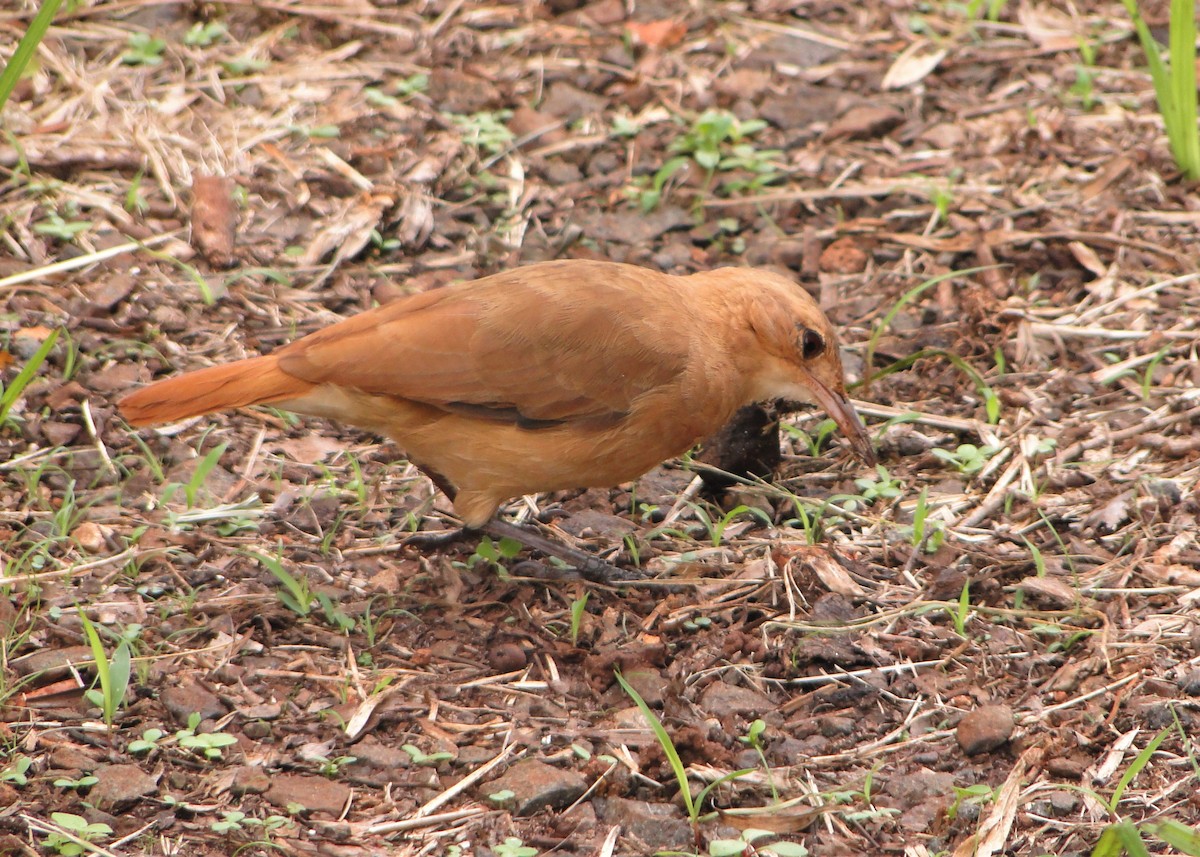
549 376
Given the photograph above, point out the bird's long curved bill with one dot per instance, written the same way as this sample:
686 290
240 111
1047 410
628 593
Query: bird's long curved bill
842 412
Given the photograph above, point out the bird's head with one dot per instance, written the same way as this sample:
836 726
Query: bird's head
798 358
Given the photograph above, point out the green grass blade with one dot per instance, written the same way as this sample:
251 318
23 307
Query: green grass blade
26 48
668 746
1185 142
1178 835
103 676
10 394
1135 767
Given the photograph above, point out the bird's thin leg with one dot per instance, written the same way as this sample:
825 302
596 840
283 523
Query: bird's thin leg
588 566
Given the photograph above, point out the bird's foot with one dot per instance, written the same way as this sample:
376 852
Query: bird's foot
576 563
584 565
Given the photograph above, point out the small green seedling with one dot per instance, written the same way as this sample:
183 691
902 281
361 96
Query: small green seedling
148 742
16 771
112 675
423 759
979 794
493 554
968 458
201 35
143 49
84 782
485 130
333 767
1174 87
753 738
578 606
76 836
295 594
926 533
514 847
881 486
207 744
57 226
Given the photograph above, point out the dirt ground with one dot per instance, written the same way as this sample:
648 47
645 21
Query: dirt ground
989 645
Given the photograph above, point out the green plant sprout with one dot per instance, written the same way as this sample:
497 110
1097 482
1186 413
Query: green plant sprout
967 458
716 528
202 35
484 130
963 612
147 743
815 442
693 805
493 553
578 607
26 48
1175 88
84 782
207 744
112 676
143 49
881 486
423 759
926 534
76 836
513 846
191 489
16 772
1084 86
753 739
12 392
57 226
296 594
717 142
979 794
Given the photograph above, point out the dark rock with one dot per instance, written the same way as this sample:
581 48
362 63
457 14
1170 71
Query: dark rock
649 684
536 786
723 700
1190 683
657 826
315 794
249 780
184 700
120 785
51 663
570 103
985 729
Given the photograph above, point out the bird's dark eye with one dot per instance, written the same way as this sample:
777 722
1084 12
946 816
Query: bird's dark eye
812 344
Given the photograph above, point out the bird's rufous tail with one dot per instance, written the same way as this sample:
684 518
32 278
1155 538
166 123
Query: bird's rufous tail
256 381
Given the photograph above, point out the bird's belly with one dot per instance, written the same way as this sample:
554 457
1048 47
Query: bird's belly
506 461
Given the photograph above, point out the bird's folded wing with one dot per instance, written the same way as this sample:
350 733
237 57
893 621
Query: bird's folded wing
536 354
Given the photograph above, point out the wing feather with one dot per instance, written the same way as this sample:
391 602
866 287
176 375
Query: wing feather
538 346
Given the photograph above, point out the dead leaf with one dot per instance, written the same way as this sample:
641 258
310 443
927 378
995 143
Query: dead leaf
914 64
657 34
835 578
865 121
1087 257
309 448
1051 589
1049 28
1112 515
214 219
348 231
